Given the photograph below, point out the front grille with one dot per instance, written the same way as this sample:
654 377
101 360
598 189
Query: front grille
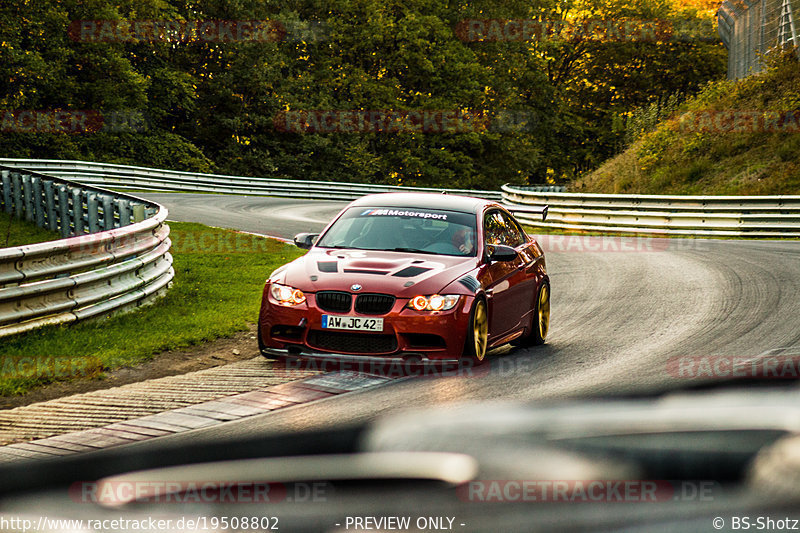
374 304
362 343
334 301
424 340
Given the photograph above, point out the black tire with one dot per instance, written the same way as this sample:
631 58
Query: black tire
477 341
540 322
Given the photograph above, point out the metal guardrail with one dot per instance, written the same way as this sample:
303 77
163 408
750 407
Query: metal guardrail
718 216
124 177
114 253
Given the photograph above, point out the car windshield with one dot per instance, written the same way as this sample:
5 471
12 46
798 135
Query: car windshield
403 229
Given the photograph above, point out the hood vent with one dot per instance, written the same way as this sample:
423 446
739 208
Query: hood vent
360 271
327 266
410 272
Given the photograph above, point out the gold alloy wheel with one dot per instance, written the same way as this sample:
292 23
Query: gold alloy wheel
480 330
544 311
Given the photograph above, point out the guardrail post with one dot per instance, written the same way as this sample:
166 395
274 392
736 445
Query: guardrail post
38 201
77 211
63 211
6 177
27 192
91 210
108 212
26 197
50 206
16 185
124 208
138 212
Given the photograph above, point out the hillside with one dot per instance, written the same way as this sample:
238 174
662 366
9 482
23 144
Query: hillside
734 137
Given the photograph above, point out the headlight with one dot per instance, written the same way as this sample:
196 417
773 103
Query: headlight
437 302
286 295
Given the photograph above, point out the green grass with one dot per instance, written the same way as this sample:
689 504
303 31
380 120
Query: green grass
16 232
679 160
219 276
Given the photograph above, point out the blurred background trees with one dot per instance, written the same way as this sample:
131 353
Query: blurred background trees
210 106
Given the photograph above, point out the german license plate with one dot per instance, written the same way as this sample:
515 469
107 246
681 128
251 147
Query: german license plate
352 323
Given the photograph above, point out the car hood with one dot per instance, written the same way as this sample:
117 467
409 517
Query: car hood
399 273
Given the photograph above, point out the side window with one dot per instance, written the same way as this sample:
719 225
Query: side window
494 228
514 235
499 228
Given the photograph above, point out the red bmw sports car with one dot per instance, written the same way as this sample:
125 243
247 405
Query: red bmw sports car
431 277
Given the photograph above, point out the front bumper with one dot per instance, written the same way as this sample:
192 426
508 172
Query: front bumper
407 334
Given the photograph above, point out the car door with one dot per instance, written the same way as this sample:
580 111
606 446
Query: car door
531 267
505 288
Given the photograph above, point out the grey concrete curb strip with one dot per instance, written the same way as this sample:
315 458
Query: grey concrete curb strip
118 404
199 415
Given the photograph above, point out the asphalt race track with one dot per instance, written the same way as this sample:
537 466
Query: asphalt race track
278 217
621 309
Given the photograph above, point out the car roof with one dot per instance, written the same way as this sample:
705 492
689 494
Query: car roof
450 202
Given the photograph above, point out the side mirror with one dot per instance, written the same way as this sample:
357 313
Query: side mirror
305 240
500 252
